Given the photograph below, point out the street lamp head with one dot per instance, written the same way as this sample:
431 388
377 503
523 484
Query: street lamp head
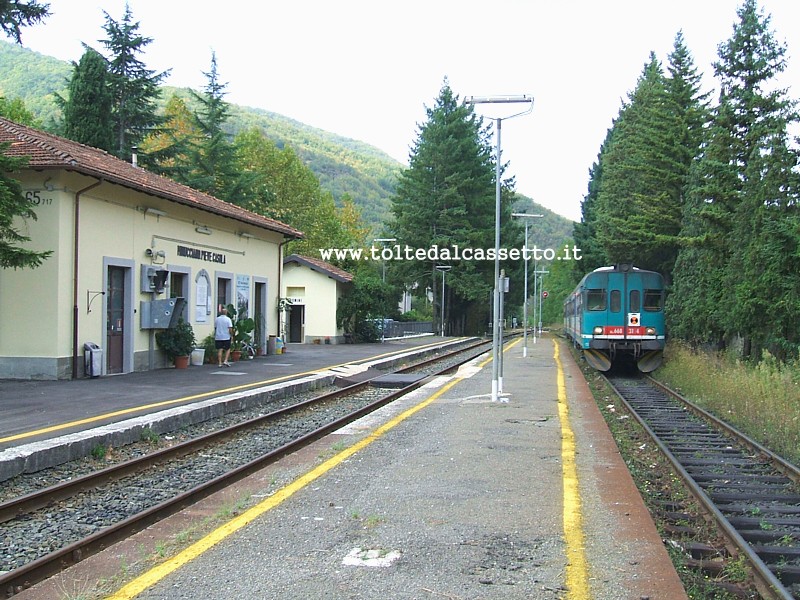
523 215
524 98
443 267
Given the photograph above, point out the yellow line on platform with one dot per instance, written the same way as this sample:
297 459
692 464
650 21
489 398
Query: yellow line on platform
577 577
156 574
163 403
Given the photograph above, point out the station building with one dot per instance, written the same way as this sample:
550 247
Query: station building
312 289
125 241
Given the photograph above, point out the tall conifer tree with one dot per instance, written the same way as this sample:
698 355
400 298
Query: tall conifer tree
87 110
639 198
446 198
134 87
743 223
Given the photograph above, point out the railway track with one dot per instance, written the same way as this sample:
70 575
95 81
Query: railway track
751 493
44 532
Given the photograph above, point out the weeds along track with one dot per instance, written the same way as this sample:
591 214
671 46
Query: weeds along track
44 531
752 494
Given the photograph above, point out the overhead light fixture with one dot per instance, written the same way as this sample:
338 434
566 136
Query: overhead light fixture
203 229
154 211
244 234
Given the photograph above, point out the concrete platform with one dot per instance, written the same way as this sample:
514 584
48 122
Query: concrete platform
46 423
442 495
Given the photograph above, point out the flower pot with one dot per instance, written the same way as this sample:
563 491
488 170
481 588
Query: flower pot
181 362
236 355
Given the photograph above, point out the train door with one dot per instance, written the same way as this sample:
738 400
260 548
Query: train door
617 300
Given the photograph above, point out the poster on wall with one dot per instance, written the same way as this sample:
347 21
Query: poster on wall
201 300
242 294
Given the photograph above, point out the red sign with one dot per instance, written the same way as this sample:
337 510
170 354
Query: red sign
620 330
544 294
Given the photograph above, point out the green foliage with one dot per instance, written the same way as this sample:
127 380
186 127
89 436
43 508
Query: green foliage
742 227
16 111
13 206
211 163
18 14
343 167
87 110
134 87
560 280
34 79
176 341
446 198
368 297
640 193
243 326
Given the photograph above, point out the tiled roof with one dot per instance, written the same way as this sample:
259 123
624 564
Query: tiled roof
48 151
315 264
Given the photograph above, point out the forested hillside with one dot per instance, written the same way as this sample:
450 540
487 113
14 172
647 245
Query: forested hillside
343 166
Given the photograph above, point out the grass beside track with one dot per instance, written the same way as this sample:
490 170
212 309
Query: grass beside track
761 400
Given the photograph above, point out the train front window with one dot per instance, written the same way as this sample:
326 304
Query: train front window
616 301
596 299
653 300
635 303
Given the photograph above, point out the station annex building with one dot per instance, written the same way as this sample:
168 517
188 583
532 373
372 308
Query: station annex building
122 238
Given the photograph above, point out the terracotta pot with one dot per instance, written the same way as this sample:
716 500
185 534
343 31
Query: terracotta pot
236 355
181 362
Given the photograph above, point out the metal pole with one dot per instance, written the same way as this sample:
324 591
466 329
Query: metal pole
496 337
526 258
443 297
525 300
496 333
501 319
535 279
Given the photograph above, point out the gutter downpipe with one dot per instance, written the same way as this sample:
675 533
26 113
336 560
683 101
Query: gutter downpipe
76 239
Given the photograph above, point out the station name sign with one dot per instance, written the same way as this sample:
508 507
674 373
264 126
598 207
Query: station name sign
204 255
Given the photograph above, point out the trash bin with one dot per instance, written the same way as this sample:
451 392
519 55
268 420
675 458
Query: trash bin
92 360
272 344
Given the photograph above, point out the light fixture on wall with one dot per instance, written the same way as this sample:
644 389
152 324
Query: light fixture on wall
203 229
154 211
244 234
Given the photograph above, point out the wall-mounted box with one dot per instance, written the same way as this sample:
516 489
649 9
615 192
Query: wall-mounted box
161 314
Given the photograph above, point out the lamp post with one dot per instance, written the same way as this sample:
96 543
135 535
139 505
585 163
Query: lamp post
444 269
496 331
525 257
383 242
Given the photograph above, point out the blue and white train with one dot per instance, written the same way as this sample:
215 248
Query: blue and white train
615 313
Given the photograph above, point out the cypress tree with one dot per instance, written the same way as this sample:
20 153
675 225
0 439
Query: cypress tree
87 110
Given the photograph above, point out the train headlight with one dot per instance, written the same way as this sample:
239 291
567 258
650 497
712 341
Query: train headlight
598 330
650 331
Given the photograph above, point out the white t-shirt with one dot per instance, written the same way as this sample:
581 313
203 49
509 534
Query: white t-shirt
222 327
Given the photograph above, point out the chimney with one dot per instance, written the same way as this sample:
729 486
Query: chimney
135 156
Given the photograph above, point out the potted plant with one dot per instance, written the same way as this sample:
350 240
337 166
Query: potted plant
177 343
242 328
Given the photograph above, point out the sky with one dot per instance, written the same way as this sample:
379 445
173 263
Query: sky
367 69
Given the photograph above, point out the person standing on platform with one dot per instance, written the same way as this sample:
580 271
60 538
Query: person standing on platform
223 332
